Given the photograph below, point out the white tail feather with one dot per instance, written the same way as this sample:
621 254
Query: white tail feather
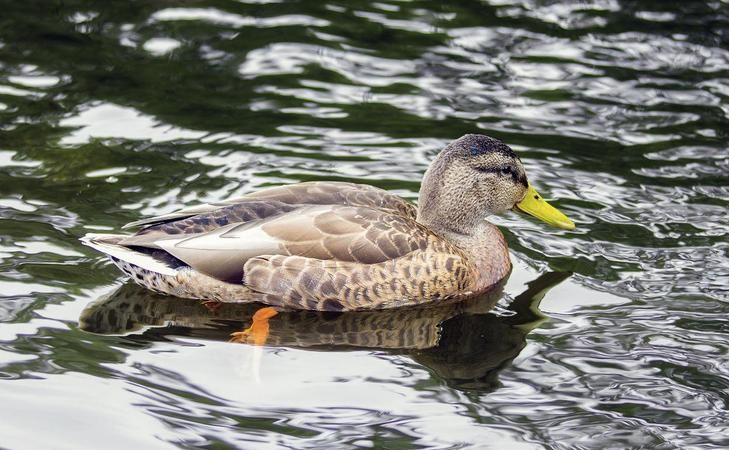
105 244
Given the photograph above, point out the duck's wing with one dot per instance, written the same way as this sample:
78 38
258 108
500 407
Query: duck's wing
274 200
358 235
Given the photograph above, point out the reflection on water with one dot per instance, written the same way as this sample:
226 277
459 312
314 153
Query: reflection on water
464 343
110 111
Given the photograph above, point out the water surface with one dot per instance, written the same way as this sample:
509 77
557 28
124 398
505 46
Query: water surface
110 111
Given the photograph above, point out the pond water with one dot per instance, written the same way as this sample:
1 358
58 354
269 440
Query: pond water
111 111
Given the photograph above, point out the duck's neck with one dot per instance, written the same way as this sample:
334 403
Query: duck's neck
486 247
456 211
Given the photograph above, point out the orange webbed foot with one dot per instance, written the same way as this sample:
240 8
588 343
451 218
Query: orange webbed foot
257 333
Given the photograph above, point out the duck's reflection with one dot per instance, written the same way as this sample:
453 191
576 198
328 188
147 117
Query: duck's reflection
463 343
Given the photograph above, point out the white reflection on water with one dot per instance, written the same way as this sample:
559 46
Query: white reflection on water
107 120
76 410
161 46
219 17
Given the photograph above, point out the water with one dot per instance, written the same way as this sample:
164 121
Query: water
110 111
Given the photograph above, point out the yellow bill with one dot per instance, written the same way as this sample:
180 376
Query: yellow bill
534 205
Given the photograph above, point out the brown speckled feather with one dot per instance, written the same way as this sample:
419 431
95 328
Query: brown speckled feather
437 271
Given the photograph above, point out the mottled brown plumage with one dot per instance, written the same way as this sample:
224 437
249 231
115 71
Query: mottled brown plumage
337 246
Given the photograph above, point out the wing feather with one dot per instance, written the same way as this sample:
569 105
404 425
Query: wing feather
338 233
278 199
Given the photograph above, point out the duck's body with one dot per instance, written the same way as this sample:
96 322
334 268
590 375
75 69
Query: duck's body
335 246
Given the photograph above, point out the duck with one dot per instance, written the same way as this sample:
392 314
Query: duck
339 246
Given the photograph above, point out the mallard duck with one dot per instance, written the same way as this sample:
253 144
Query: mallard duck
334 246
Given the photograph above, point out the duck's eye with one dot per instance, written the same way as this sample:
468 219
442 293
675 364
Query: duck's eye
506 170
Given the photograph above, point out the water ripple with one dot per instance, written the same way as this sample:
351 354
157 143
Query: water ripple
618 109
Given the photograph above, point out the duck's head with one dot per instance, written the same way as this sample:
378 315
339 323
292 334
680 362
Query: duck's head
476 176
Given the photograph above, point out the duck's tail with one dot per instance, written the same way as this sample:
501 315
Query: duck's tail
109 244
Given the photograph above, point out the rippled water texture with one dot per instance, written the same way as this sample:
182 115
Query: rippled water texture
110 111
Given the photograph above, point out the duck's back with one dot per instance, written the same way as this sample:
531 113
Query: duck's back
274 201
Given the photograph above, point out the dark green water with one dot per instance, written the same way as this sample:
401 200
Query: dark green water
113 110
